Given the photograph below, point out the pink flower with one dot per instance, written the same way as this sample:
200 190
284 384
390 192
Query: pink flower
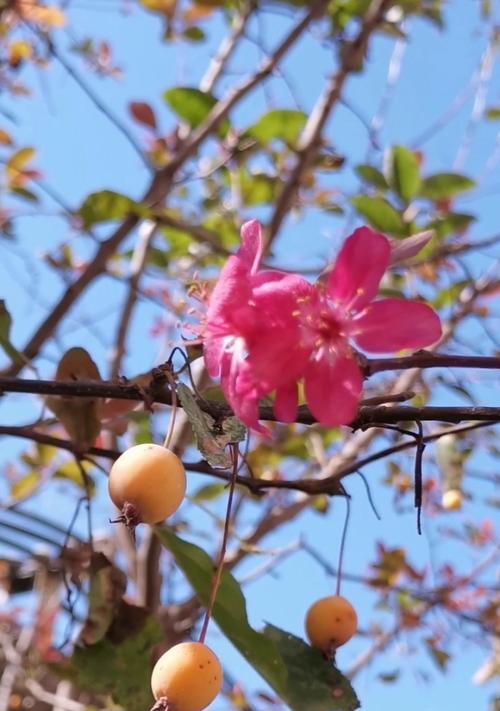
252 338
267 330
344 310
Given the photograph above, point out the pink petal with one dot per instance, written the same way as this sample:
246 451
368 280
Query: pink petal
286 403
333 388
230 293
251 248
403 249
212 352
278 346
355 278
390 325
247 409
244 396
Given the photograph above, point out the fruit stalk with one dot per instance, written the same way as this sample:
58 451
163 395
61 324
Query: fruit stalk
222 552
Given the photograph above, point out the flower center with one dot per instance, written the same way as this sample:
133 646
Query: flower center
322 324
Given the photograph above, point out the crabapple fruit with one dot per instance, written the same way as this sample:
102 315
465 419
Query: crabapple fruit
187 677
452 500
147 483
330 623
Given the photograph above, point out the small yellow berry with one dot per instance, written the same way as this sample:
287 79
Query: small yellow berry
452 500
147 483
187 677
330 623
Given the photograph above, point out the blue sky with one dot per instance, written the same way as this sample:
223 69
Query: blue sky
80 151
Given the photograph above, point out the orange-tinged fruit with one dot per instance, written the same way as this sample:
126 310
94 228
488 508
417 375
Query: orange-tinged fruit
330 623
187 677
147 483
452 500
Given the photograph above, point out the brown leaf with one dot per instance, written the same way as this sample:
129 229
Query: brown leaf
79 415
143 113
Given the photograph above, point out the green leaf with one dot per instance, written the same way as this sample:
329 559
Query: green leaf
445 185
120 670
194 34
389 677
257 188
380 214
440 657
71 472
448 297
312 684
300 675
452 223
493 113
193 106
230 608
404 172
209 492
283 125
107 205
371 175
25 194
179 241
27 485
5 326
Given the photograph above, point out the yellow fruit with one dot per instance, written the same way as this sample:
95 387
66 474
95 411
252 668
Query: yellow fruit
331 622
147 483
187 677
452 500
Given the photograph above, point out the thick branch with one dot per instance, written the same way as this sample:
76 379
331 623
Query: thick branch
368 415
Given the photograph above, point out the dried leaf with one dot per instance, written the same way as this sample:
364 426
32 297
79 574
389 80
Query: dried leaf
211 437
107 587
79 415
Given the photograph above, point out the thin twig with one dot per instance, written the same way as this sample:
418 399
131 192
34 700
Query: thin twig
343 543
89 92
137 265
227 48
159 188
310 139
223 547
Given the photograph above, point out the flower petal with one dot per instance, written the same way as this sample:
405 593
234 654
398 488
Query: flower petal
355 278
333 389
251 248
230 293
243 395
278 348
286 403
390 325
212 352
402 249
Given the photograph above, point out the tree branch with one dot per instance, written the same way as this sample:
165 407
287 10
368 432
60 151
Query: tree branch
352 58
159 188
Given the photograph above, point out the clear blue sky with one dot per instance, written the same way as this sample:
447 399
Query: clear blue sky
80 152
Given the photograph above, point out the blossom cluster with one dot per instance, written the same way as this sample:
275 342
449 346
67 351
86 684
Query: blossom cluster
267 330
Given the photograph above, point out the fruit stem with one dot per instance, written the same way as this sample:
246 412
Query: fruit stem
160 705
222 552
342 544
129 516
171 424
